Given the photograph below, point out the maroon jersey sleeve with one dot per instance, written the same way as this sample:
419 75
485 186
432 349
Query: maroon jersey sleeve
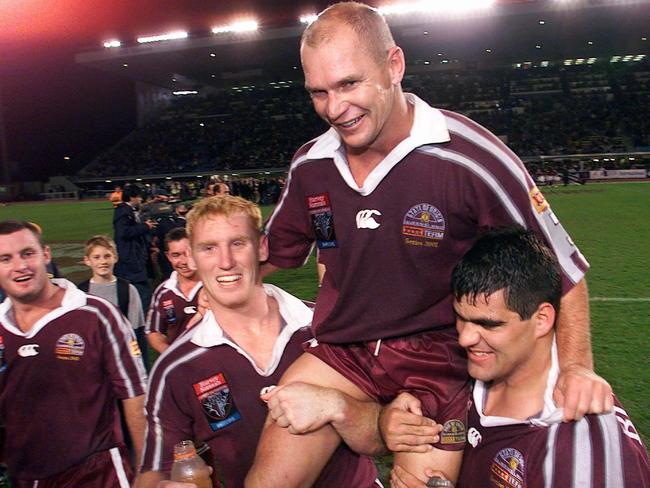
121 354
167 425
154 317
289 228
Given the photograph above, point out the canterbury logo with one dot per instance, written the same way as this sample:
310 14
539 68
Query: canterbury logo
28 350
189 310
474 437
365 219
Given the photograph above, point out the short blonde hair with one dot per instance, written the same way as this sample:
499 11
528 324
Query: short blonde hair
100 240
366 22
225 205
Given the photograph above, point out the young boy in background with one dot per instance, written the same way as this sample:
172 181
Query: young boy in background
100 255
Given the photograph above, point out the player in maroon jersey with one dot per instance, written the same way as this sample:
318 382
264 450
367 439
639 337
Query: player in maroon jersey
507 293
66 358
206 386
393 194
174 303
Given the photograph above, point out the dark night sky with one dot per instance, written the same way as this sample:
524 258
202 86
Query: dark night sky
53 107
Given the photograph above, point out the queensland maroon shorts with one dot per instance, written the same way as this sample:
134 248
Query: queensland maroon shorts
105 469
431 366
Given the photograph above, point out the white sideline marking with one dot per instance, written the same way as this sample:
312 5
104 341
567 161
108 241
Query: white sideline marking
618 299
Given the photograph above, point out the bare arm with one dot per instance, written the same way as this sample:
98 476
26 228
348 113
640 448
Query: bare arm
578 389
304 408
136 422
158 341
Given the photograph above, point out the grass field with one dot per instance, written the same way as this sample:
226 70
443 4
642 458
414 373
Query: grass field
610 223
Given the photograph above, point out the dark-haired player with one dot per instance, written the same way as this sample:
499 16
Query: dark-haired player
507 294
66 358
175 300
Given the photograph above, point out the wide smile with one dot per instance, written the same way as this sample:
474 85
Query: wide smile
229 280
350 124
23 279
478 355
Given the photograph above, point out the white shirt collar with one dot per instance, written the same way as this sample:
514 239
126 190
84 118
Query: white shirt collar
429 127
172 284
296 315
551 414
73 298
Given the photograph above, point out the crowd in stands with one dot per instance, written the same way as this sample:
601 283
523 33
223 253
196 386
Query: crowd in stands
538 111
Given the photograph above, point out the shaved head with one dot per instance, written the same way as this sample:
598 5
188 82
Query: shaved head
366 22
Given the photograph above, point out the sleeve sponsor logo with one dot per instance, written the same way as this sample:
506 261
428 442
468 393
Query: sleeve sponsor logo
423 225
508 469
322 220
537 198
70 347
3 363
453 432
135 349
168 311
217 401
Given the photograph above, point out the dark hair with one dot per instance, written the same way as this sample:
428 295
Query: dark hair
10 226
131 191
512 260
176 234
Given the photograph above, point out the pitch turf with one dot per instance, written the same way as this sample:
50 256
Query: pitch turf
610 223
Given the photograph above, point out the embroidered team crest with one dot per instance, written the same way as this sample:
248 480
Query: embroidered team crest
508 469
70 347
423 225
322 220
537 198
217 401
169 312
453 432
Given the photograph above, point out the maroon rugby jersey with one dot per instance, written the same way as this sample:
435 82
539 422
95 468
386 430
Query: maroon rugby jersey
599 451
390 246
206 388
170 310
59 383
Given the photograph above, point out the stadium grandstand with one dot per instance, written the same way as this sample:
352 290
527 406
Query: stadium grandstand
565 83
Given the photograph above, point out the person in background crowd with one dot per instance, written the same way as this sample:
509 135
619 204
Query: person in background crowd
165 224
132 238
175 301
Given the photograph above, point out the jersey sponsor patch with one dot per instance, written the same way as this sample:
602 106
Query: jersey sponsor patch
423 225
322 220
217 401
70 347
168 311
508 469
537 198
135 349
453 432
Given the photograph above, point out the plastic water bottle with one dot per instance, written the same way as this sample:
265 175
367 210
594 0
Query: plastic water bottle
188 466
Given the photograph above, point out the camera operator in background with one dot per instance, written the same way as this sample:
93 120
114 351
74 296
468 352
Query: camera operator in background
132 236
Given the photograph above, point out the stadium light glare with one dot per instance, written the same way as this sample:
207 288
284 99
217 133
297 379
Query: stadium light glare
181 93
615 59
427 6
163 37
568 62
67 158
112 43
308 19
125 65
544 64
243 26
591 60
639 57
